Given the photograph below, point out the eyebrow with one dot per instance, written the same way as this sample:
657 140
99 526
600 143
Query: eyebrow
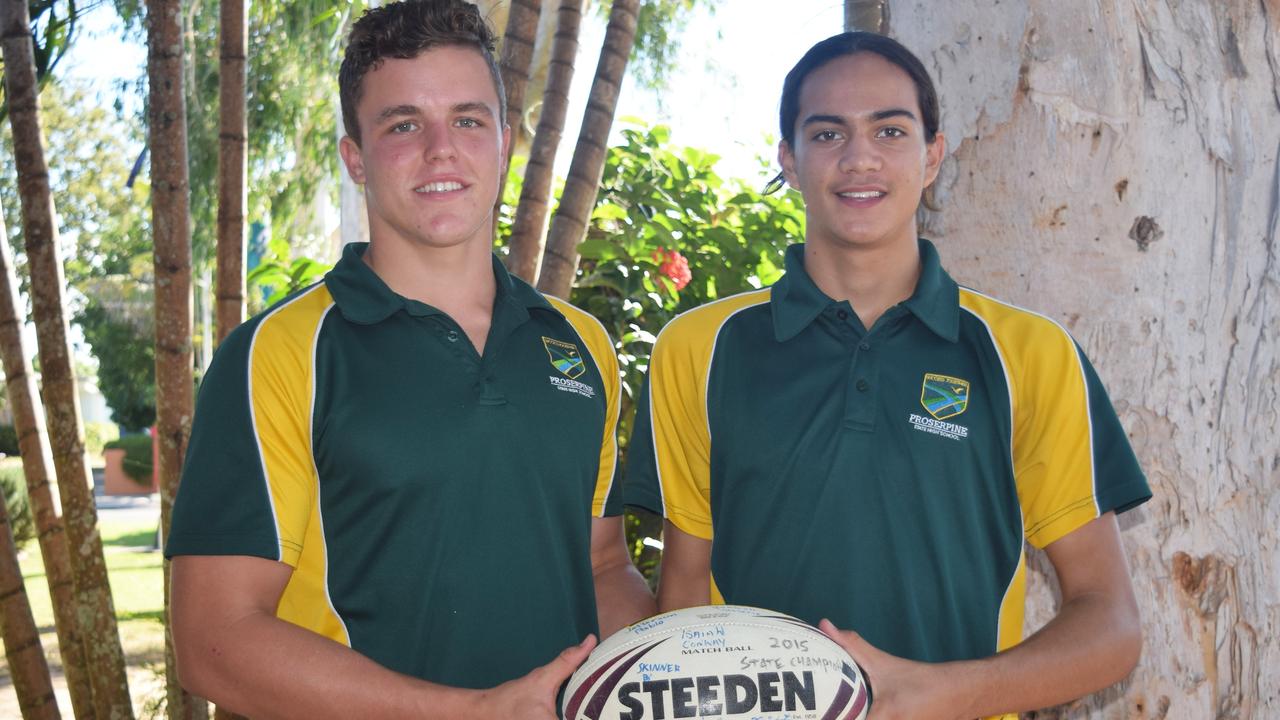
413 110
876 116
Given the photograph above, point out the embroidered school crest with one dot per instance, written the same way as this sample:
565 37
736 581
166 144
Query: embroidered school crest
944 396
565 357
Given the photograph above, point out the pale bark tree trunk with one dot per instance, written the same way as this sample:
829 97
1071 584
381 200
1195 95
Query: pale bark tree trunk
232 168
171 227
37 467
569 226
869 15
104 656
1116 165
517 53
535 194
22 647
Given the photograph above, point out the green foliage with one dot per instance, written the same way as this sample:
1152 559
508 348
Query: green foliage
9 441
137 456
105 226
13 488
126 364
280 273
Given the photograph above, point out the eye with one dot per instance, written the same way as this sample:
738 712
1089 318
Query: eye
467 122
823 136
892 132
404 127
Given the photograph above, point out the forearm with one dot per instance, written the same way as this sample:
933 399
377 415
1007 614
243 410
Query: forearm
622 597
264 667
1093 643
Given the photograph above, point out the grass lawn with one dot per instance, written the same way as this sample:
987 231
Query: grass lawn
137 589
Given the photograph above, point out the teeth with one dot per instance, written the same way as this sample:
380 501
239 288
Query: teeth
863 195
439 187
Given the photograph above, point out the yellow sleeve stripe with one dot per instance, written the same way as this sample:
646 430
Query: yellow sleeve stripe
281 395
1052 443
679 372
602 351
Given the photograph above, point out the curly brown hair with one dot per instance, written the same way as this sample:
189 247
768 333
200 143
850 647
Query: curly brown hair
405 30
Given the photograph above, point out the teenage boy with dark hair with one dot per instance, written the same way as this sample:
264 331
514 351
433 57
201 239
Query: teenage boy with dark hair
868 442
398 499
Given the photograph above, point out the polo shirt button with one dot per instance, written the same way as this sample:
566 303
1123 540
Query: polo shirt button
452 336
842 315
863 386
864 346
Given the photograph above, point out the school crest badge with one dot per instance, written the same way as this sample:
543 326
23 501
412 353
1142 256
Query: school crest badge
944 396
565 357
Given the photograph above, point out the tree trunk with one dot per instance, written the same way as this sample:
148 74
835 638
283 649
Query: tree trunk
171 225
105 658
1116 165
22 647
569 226
535 194
517 53
232 148
37 464
869 15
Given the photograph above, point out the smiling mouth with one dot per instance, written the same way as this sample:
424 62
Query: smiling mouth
438 187
863 194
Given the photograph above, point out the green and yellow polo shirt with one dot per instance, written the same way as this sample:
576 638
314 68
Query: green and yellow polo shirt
884 479
435 505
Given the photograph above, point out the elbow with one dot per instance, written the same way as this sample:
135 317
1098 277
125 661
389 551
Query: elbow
193 668
1130 648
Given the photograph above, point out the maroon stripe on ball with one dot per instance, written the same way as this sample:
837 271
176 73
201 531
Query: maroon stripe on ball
596 706
842 696
571 710
859 702
593 708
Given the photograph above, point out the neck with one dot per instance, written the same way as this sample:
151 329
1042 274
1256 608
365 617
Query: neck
458 279
872 279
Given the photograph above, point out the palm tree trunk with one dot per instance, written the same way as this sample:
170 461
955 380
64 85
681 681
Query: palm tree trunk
517 53
37 464
105 658
232 142
869 15
560 261
171 226
535 195
22 647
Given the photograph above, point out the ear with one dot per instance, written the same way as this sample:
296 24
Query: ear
934 152
352 158
787 159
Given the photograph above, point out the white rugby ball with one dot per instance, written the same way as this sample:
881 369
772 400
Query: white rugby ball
722 661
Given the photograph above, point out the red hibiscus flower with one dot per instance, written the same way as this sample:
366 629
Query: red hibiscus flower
673 266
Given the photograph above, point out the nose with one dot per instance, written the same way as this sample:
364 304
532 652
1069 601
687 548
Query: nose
438 142
861 155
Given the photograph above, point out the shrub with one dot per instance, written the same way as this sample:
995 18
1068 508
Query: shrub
137 456
97 435
13 485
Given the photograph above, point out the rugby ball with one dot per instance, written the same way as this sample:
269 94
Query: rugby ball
722 661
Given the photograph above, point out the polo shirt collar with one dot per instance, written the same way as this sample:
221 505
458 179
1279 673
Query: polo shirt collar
364 298
796 301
